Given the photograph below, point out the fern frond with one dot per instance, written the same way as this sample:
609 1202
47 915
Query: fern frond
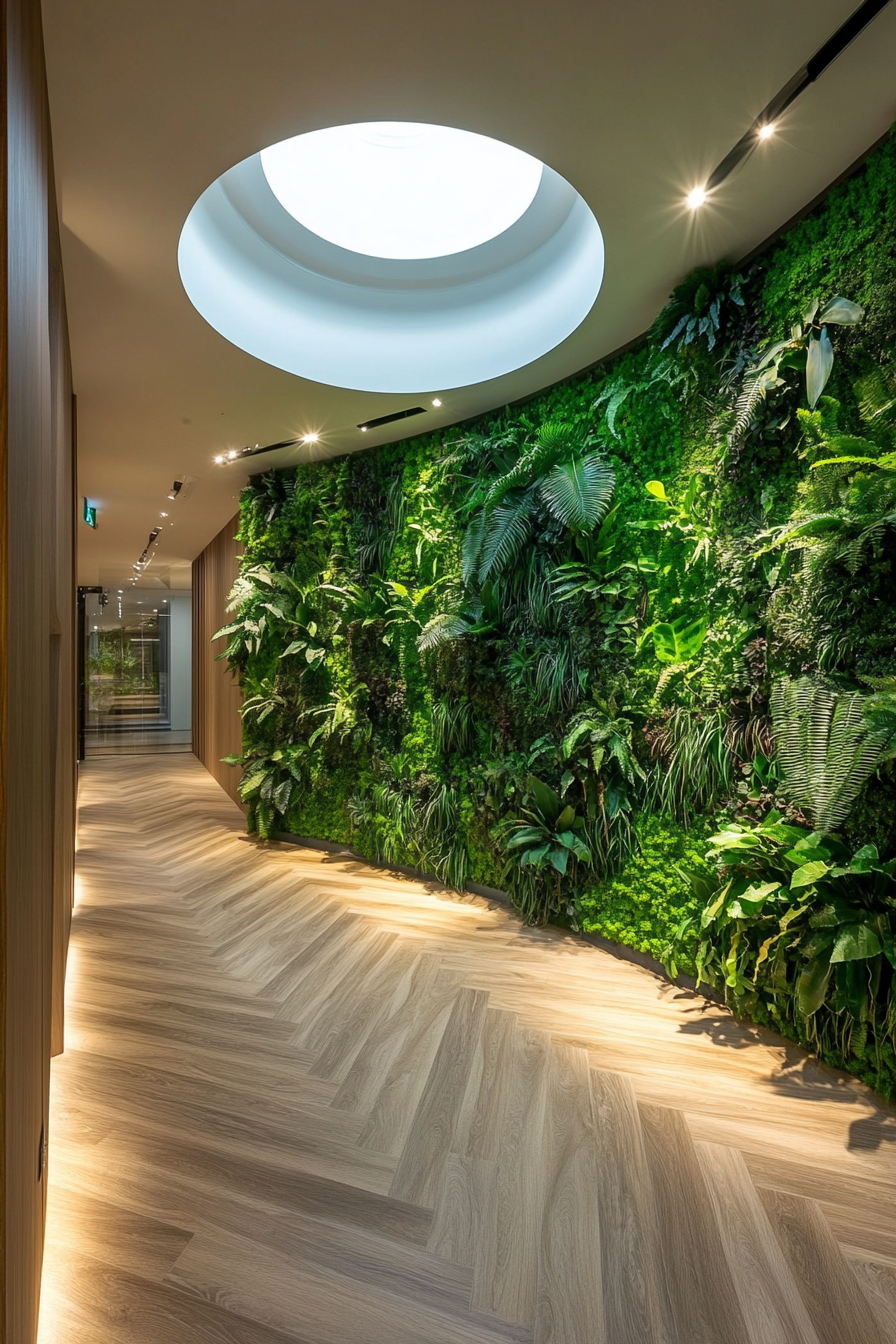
826 746
507 530
447 625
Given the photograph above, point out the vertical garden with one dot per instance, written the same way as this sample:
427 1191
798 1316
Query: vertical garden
627 651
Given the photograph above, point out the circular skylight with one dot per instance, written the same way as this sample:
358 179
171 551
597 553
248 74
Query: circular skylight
380 257
401 189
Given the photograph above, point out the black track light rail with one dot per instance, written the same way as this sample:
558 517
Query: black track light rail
390 419
825 56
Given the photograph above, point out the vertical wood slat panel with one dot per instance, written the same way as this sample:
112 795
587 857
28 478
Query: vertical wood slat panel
63 689
217 727
37 748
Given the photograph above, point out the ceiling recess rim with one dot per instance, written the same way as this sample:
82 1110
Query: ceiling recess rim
290 297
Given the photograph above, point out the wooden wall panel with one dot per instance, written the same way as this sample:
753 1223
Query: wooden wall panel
37 749
217 728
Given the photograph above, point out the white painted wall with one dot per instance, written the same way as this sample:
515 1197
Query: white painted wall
180 660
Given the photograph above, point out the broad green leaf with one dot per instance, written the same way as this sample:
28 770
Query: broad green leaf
865 860
525 835
819 362
756 894
565 819
790 915
536 856
833 913
803 856
657 489
807 874
546 799
714 907
227 630
295 647
574 736
560 859
679 641
856 942
843 312
812 986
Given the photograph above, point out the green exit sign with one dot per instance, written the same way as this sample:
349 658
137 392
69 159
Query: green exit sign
89 513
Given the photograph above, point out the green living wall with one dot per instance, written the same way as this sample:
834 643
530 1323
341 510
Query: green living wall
626 651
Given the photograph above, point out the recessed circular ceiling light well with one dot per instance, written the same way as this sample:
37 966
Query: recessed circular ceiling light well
392 257
401 190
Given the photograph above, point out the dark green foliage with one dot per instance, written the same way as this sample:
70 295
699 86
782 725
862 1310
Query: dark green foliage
543 651
798 931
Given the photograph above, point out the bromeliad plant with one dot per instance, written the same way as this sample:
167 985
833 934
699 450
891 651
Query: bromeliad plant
796 930
544 846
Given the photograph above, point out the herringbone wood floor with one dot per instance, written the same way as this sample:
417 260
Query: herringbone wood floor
306 1101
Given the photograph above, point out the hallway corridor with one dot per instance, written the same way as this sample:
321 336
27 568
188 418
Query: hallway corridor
307 1102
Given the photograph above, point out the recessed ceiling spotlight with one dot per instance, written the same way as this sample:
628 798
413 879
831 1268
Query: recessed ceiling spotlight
767 130
219 459
363 429
696 198
436 401
310 438
163 515
232 454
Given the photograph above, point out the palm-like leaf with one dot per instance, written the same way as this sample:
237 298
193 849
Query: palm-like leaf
827 746
578 492
552 441
472 548
447 625
507 530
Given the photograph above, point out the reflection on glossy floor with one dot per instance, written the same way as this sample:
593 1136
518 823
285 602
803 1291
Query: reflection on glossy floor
303 1100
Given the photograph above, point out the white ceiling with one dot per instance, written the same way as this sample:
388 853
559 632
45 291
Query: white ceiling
634 104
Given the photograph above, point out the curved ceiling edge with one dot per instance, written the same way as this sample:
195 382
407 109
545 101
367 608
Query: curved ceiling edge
300 303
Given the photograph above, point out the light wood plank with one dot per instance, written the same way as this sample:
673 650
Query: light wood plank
418 1176
569 1301
636 1305
830 1290
696 1277
768 1295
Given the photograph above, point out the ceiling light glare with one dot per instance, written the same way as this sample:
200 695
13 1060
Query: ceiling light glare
310 438
767 130
401 189
436 401
696 198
